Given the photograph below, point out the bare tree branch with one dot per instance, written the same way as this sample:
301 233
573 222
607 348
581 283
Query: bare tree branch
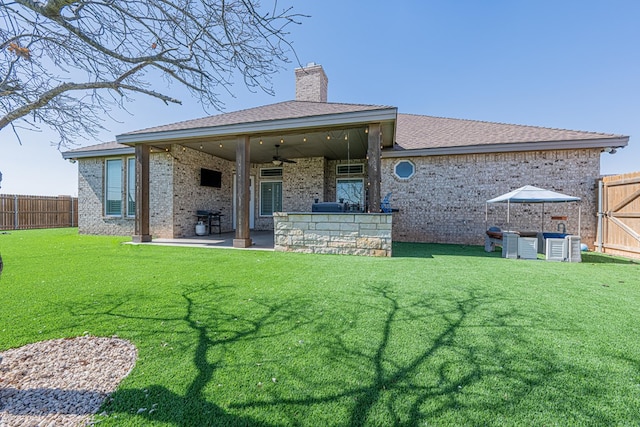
65 64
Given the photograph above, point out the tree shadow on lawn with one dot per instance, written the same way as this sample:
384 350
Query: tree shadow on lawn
445 373
157 402
420 359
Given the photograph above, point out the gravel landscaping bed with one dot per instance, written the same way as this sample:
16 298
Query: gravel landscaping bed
61 382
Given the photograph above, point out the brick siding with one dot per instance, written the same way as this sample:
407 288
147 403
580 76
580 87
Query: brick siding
91 218
188 196
444 202
175 194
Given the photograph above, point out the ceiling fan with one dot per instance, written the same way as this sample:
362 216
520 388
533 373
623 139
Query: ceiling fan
278 160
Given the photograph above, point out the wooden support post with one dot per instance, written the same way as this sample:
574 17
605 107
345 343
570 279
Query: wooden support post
243 166
142 233
373 168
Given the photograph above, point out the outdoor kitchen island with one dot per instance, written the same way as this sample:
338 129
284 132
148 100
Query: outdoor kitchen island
345 233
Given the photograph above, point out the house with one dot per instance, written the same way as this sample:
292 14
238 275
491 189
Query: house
291 156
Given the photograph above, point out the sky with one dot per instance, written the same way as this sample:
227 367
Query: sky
570 64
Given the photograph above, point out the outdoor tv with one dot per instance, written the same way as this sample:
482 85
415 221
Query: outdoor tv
210 178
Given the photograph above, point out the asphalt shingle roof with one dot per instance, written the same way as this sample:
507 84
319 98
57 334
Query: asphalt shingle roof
413 132
279 111
419 132
111 145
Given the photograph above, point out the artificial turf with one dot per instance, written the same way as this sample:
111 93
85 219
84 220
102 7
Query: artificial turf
436 335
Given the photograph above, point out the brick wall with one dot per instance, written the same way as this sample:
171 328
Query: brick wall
175 194
91 218
301 183
160 190
188 196
444 202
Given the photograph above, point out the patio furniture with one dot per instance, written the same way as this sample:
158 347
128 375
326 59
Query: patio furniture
211 219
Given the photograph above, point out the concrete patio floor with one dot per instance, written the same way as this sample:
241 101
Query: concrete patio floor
262 240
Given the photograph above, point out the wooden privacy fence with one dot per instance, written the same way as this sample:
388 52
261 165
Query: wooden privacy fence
619 215
24 212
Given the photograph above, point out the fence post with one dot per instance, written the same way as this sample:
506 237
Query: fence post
15 212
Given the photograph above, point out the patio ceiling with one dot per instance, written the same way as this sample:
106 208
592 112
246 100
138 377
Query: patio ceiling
302 129
332 143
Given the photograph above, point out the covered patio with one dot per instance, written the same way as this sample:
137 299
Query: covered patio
268 136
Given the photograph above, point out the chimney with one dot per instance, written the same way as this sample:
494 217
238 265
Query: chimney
311 83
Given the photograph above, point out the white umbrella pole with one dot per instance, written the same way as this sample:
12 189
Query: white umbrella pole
508 208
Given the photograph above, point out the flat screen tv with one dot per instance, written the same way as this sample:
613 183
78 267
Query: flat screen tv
210 178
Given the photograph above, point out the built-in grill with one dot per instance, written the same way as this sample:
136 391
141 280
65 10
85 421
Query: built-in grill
329 207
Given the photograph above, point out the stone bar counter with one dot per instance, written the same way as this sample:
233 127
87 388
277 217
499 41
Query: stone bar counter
344 233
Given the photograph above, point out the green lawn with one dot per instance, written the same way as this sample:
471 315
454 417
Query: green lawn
437 335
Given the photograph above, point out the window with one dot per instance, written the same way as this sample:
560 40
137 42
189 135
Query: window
350 191
131 186
120 187
404 169
270 197
113 190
